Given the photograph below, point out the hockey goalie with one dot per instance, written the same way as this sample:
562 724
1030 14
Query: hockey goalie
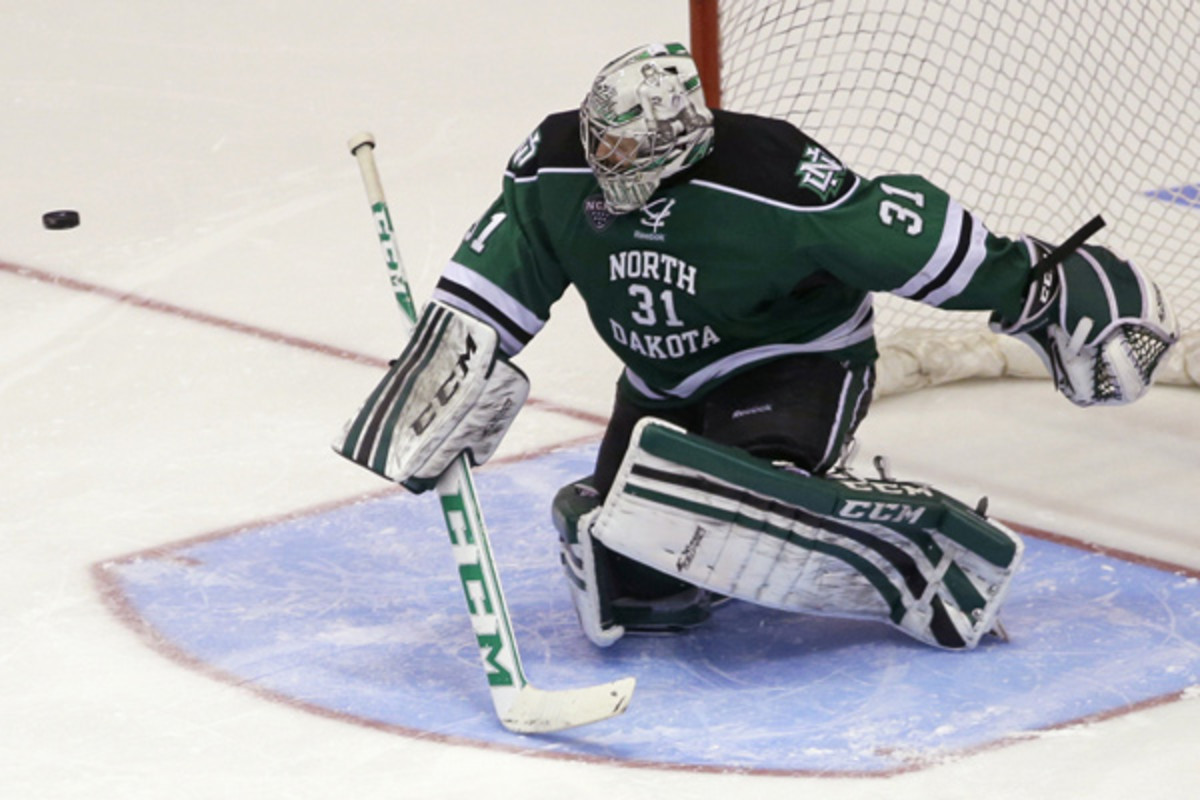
729 261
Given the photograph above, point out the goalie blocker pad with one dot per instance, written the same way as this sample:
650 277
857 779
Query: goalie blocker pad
898 552
446 395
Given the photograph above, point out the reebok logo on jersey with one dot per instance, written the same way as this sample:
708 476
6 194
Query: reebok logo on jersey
654 216
745 412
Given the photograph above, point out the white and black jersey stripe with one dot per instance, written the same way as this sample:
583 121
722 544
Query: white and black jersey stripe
471 293
960 252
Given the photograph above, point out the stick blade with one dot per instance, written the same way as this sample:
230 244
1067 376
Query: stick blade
539 711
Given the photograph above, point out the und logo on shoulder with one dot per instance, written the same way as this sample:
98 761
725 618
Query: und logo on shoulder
820 172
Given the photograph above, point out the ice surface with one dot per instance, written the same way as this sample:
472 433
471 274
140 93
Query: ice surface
204 146
353 611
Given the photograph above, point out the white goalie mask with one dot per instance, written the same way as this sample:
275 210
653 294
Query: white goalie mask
644 120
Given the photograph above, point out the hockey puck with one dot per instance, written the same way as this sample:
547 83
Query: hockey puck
60 220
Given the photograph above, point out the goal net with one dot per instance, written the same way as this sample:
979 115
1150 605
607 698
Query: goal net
1037 115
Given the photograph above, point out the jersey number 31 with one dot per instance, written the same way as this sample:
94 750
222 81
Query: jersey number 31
892 212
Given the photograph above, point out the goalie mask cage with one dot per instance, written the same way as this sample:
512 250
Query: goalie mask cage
1037 115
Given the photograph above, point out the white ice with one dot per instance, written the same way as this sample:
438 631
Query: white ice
204 145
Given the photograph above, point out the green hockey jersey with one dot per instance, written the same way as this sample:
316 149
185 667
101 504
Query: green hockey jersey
767 247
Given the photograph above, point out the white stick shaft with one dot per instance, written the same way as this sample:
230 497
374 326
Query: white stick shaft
362 147
521 708
477 570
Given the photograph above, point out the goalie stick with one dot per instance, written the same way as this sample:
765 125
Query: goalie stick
521 707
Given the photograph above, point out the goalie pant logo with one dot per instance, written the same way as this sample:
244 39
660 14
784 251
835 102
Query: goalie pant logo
446 389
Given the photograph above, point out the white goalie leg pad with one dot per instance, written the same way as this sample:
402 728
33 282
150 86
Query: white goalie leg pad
572 511
447 394
897 552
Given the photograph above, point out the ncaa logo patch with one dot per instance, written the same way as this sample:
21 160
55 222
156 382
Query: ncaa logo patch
597 213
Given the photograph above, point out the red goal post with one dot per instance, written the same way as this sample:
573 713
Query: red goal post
1037 115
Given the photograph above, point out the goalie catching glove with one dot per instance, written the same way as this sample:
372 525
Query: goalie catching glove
1098 323
448 394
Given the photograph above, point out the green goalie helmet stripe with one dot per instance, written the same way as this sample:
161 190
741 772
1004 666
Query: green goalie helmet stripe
628 116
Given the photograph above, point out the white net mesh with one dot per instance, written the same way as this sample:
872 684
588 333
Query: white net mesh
1035 115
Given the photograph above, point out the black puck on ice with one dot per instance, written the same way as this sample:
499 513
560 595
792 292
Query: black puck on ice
60 220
